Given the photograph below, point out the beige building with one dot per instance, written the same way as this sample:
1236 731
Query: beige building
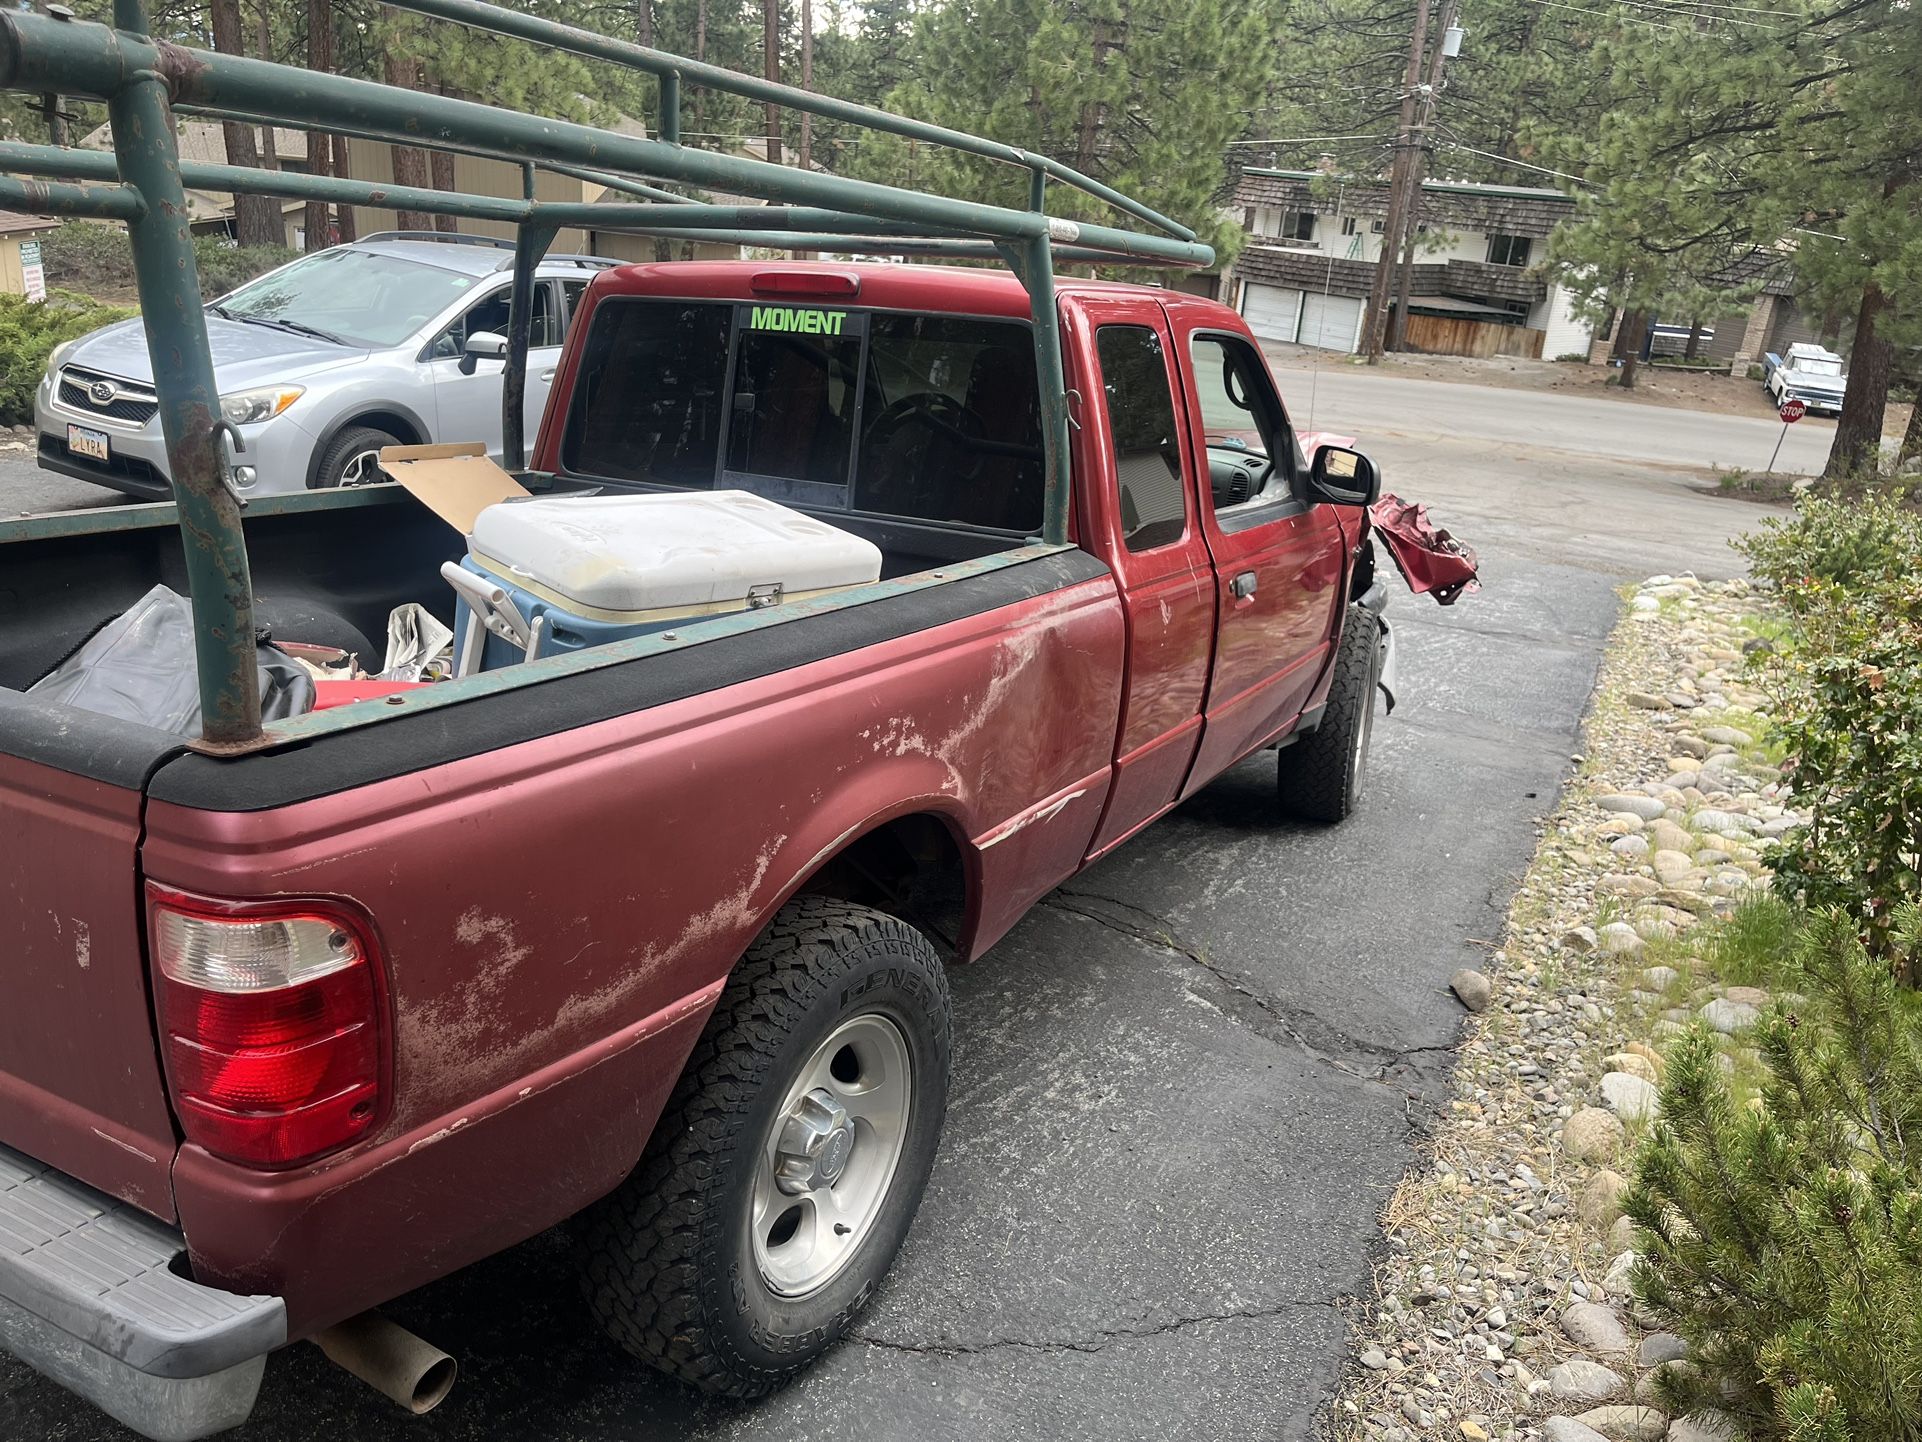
18 230
202 143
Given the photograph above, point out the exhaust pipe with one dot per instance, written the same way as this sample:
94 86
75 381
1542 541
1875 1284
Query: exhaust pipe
391 1360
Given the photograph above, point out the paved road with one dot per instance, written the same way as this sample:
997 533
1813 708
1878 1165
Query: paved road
1185 1084
1591 425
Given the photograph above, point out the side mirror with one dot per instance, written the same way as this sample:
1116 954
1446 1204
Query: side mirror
1342 477
482 345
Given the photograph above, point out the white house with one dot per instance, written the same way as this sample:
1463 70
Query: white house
1477 286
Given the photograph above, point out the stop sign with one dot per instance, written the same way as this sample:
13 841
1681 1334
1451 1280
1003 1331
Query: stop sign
1793 410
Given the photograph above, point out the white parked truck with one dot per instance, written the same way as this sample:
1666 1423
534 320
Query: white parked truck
1811 374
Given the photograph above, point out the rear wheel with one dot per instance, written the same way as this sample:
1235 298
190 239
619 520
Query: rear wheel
352 458
783 1176
1319 778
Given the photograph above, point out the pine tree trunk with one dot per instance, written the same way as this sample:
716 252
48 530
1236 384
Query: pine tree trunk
264 46
256 217
771 56
347 226
1912 435
644 23
1694 341
440 165
410 161
320 145
1858 431
700 53
807 81
1635 328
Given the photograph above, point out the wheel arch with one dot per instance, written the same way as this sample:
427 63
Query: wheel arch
398 420
913 861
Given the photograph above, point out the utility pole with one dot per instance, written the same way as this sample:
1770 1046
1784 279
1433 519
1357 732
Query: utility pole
771 55
1397 176
1418 164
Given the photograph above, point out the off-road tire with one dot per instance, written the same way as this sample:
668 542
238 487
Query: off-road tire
666 1260
1319 778
353 441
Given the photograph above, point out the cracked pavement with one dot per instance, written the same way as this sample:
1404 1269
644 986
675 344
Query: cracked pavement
1184 1086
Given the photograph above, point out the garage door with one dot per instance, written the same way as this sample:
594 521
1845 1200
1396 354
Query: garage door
1331 322
1271 311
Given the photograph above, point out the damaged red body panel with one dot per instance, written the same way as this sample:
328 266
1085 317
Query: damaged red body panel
1430 560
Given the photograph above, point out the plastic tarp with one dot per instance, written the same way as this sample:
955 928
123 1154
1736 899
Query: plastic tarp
140 666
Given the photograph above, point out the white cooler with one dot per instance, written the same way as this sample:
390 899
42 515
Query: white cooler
594 569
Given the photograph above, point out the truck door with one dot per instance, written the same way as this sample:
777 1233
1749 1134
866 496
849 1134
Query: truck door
1277 560
1138 472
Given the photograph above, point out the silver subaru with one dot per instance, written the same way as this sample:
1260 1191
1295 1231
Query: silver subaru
396 339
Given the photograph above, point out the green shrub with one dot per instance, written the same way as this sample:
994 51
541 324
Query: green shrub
29 331
1847 694
97 260
1784 1240
224 267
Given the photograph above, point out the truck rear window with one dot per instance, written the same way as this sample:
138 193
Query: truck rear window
930 417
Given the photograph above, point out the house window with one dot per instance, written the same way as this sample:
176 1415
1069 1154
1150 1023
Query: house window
1508 250
1377 227
1350 225
1297 225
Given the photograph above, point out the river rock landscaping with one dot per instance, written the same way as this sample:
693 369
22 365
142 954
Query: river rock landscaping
1504 1308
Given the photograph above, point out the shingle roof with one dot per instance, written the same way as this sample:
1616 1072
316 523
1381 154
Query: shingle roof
1457 205
12 222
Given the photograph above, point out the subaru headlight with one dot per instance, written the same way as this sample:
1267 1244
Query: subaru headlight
60 354
245 408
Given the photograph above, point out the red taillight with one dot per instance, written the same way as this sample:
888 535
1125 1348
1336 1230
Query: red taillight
270 1023
805 282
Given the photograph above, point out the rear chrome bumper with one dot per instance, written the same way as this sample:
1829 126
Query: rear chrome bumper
89 1298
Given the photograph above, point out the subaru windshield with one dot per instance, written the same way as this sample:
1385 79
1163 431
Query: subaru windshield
356 297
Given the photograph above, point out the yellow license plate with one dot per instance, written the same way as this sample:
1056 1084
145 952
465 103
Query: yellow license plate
92 444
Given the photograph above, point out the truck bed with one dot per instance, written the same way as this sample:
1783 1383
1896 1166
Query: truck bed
978 701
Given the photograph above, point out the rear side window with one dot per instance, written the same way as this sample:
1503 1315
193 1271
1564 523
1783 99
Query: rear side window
1141 418
951 422
647 405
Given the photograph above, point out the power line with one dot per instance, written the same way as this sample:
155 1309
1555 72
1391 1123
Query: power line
1308 139
1523 164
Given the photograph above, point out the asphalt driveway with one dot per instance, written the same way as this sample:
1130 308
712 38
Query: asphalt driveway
1184 1085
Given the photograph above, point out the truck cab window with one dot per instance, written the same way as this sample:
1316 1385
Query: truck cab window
1251 451
951 423
647 405
793 413
1141 420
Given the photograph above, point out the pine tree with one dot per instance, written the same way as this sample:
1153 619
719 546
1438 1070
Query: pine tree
1784 1239
1138 93
1784 132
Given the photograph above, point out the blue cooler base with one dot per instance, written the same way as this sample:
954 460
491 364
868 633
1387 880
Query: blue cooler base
564 630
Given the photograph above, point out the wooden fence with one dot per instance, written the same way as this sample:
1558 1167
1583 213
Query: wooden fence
1449 335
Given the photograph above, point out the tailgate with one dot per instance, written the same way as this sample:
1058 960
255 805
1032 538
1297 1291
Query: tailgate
80 1083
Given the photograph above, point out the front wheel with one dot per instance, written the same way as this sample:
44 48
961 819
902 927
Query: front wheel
784 1173
352 458
1319 778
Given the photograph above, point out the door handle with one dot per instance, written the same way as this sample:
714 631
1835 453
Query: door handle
1242 588
548 374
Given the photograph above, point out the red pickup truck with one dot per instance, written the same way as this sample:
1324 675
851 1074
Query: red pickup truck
650 936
